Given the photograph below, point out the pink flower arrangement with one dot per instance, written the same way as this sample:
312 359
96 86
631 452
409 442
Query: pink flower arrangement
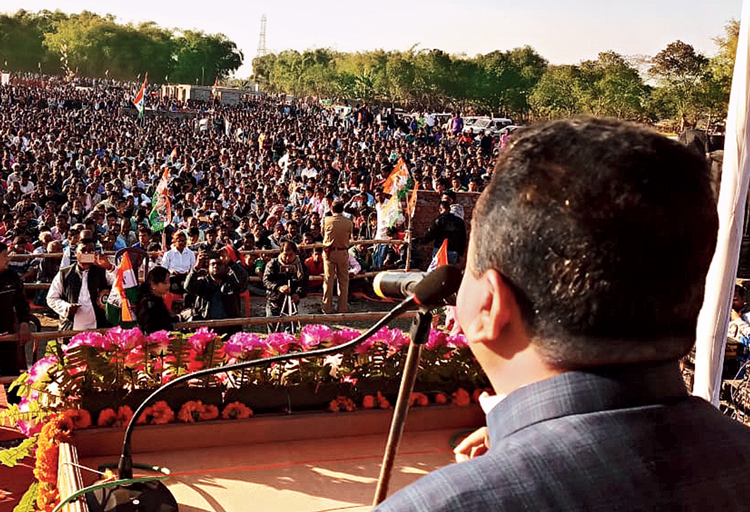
28 427
159 341
457 341
436 339
280 342
241 343
40 369
313 335
202 337
345 335
126 339
89 339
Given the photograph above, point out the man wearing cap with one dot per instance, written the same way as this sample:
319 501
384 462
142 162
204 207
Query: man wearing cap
337 234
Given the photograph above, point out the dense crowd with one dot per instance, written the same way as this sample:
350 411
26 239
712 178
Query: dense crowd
243 177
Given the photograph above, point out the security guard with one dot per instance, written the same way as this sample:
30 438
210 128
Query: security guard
337 235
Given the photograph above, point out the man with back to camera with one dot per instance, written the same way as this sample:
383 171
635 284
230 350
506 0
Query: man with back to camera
585 275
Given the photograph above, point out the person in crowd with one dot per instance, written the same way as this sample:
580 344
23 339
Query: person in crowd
76 291
337 237
585 276
285 277
179 260
316 268
151 312
217 288
15 318
446 226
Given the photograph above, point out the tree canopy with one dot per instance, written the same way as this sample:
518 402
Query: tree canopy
98 46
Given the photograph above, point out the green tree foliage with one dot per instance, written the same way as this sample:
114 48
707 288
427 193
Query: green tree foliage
98 46
681 72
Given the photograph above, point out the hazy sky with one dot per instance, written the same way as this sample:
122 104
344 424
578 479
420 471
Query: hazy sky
563 32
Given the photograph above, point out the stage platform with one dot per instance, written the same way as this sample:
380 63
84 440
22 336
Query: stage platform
296 469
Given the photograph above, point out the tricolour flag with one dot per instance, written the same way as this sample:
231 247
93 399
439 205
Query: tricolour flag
411 207
161 211
124 293
140 98
391 211
440 258
396 182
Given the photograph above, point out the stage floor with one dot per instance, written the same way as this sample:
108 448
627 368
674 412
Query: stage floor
292 476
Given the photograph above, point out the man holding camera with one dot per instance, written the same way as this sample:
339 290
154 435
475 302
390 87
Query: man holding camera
77 291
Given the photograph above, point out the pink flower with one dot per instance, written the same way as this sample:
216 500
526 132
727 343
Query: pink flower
280 342
202 337
126 339
437 339
243 342
316 335
40 369
160 341
28 427
365 346
457 341
345 335
89 339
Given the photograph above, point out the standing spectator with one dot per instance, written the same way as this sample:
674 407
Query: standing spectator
75 290
337 237
217 287
446 226
284 276
152 313
15 317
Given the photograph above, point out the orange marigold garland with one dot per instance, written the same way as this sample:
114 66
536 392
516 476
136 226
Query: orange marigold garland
56 431
236 411
461 397
210 412
342 403
191 411
418 399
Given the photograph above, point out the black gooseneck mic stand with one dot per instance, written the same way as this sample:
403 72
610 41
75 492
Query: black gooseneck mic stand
420 330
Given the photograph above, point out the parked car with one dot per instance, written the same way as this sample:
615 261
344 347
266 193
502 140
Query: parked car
493 126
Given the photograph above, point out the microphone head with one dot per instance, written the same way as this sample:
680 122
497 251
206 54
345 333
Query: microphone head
437 286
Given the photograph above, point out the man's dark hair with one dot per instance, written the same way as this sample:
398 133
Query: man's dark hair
3 247
337 207
605 231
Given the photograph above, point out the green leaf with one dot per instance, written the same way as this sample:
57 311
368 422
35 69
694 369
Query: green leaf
11 456
28 502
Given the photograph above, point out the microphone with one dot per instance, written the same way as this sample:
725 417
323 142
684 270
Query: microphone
426 289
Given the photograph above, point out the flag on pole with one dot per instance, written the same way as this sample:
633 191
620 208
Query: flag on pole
215 88
713 321
124 293
391 211
140 98
411 207
396 182
173 155
440 258
161 212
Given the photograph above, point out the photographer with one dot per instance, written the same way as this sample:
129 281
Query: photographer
217 286
285 276
75 291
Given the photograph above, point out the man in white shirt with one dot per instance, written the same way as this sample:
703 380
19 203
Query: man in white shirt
75 291
179 260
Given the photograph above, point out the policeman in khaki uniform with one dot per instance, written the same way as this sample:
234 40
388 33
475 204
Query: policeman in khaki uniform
337 234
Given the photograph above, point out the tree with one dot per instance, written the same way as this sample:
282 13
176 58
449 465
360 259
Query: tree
680 70
559 92
612 87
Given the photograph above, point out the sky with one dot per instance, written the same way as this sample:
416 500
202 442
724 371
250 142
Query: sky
562 32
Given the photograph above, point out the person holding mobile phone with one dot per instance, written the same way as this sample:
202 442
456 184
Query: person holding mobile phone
75 291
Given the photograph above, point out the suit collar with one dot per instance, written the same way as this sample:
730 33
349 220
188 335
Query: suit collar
581 392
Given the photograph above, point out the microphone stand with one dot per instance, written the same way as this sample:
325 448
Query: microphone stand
420 330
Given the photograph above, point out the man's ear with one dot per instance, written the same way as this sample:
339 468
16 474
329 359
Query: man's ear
495 302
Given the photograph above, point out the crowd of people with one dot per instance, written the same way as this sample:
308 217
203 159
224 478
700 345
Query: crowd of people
78 175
